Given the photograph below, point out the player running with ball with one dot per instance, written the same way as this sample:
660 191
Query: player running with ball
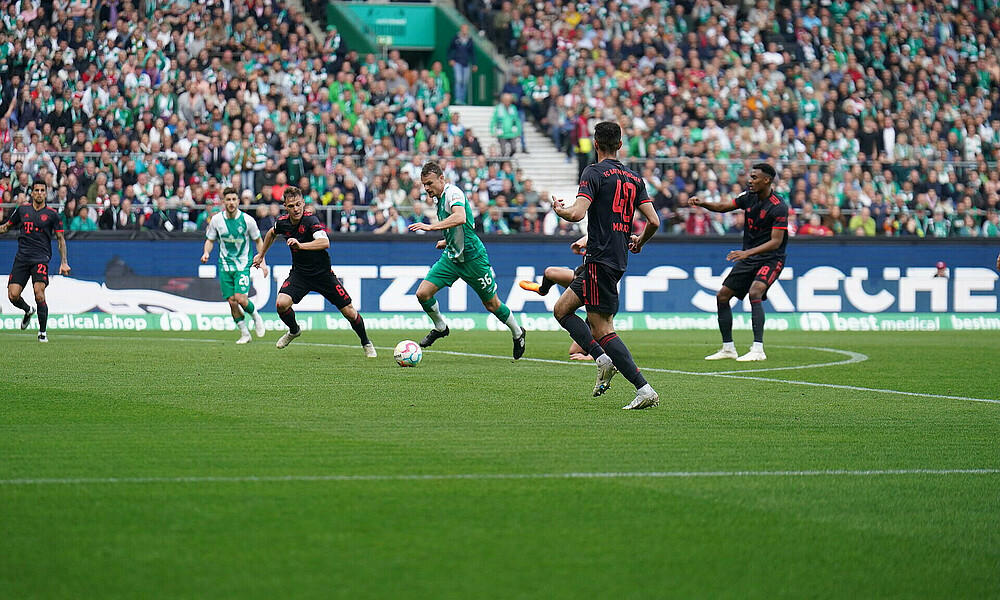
758 264
609 194
235 230
464 257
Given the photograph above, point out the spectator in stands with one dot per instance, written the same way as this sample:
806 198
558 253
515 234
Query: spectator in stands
495 222
506 124
461 57
82 222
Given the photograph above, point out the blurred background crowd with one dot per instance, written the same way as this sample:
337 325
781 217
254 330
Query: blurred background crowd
883 118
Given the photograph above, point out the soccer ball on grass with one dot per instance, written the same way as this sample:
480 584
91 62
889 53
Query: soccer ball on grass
408 353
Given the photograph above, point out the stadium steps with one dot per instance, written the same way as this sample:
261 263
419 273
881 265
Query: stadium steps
546 166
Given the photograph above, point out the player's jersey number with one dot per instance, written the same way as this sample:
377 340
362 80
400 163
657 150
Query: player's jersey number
244 280
624 202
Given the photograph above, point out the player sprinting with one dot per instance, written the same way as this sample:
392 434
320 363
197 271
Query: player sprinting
464 257
562 276
609 194
36 224
758 264
235 230
311 269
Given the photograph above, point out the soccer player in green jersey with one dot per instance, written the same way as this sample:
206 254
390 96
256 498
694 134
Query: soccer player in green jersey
234 229
464 257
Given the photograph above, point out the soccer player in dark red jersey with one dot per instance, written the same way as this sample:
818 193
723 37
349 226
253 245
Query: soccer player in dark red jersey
36 224
609 194
311 270
758 264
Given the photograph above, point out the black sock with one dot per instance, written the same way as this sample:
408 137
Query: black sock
757 319
726 322
43 316
546 285
288 318
20 303
581 334
359 328
622 358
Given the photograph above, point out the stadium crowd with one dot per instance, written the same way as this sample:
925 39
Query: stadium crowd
884 118
140 118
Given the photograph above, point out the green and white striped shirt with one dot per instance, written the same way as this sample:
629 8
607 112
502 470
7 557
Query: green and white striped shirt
235 237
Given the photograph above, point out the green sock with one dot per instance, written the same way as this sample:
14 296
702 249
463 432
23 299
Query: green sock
507 318
250 309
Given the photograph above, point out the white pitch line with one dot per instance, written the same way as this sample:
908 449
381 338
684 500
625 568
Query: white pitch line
723 374
493 476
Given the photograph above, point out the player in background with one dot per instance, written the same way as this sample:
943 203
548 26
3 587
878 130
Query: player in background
464 257
758 264
311 269
37 223
608 196
234 229
564 277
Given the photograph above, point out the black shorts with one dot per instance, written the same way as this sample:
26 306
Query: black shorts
327 285
597 285
744 274
23 269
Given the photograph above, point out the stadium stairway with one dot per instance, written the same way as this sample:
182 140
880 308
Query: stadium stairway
545 166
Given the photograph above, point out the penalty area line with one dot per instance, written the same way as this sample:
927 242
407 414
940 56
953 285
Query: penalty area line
492 476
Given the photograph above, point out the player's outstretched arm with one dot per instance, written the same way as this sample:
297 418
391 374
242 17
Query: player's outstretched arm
63 256
720 207
455 219
777 236
208 251
268 240
579 246
573 214
652 226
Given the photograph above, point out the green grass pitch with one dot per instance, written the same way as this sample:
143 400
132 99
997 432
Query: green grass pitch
170 465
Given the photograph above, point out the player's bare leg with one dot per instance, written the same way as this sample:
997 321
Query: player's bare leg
551 276
756 353
238 316
501 312
358 324
425 296
284 304
580 331
14 295
722 300
43 311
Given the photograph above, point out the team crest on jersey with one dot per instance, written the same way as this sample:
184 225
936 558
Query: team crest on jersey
302 228
45 217
763 213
